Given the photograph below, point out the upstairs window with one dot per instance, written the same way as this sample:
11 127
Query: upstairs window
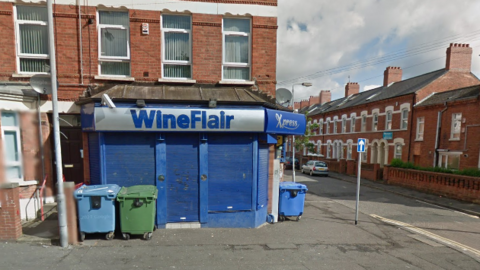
344 125
177 46
404 121
456 126
12 147
420 128
236 49
375 122
388 120
320 128
328 127
114 44
334 126
352 124
32 39
364 123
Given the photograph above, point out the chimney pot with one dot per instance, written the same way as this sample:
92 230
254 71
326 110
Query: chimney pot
459 57
392 74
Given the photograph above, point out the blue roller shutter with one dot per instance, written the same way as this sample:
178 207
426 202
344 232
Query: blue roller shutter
130 159
262 188
94 159
230 172
182 177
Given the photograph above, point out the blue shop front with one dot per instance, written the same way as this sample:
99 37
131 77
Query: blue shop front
210 165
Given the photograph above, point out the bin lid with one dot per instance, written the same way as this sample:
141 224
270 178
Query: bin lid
292 185
98 190
139 191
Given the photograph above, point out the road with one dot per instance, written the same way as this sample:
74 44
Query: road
446 223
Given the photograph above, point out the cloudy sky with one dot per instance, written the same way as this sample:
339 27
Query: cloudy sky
333 42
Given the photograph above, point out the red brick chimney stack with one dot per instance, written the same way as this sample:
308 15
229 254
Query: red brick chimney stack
459 57
313 100
304 103
352 88
296 105
392 74
325 96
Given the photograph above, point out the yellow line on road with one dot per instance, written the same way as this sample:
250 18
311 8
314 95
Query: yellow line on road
435 237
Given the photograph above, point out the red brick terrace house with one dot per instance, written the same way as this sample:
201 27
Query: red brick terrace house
446 130
171 44
384 115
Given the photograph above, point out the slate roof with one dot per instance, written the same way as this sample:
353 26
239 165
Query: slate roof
453 95
397 89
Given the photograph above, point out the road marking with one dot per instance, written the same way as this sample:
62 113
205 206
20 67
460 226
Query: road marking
472 216
474 253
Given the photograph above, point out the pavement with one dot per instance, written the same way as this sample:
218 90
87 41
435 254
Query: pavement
325 238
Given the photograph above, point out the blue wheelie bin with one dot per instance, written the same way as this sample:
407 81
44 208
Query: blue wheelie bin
96 209
291 200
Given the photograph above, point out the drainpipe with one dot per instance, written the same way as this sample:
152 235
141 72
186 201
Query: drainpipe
437 135
411 126
40 138
80 40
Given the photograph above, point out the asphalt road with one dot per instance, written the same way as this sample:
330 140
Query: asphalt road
325 238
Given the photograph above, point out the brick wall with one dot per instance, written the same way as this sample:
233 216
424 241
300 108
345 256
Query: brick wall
7 50
252 2
10 222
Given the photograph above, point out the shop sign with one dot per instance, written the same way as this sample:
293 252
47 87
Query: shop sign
280 122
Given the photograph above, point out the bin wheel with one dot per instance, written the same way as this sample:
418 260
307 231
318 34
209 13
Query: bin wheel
82 236
110 235
147 236
155 228
298 218
281 218
126 236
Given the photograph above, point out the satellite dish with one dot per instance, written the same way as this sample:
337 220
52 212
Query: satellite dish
42 84
283 96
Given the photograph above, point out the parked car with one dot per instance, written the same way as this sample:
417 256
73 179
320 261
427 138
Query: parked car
288 163
314 167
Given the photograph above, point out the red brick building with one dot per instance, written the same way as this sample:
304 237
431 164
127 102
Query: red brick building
178 43
384 115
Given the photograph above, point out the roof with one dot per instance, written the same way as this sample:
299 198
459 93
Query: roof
453 95
396 89
160 93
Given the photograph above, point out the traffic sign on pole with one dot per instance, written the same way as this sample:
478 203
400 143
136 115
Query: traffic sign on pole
361 145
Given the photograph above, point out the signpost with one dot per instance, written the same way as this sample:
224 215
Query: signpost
361 144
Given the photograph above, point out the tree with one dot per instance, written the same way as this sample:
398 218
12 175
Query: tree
303 142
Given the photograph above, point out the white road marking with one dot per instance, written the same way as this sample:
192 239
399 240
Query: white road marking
474 253
472 216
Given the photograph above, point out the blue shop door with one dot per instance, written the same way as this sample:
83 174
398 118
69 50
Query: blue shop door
230 169
182 177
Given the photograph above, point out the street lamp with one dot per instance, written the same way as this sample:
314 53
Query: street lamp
306 84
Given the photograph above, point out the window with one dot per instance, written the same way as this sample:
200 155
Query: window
344 125
32 39
349 151
320 128
12 147
456 126
328 150
236 49
375 122
398 151
114 45
420 128
449 160
364 155
404 121
388 121
334 126
177 46
319 147
352 124
364 123
328 127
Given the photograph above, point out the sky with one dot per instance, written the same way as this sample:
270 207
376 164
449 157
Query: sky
332 42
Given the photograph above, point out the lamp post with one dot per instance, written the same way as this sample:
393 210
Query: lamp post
306 84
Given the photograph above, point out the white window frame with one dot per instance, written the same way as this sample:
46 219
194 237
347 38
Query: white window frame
230 64
112 58
319 147
375 122
352 123
17 40
364 123
452 129
349 151
420 135
335 126
404 119
388 122
320 128
395 152
329 148
328 127
344 125
447 155
176 62
364 157
18 163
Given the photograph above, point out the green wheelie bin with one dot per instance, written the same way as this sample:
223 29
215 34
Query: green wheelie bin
137 210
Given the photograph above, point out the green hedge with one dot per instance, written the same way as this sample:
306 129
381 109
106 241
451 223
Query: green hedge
398 163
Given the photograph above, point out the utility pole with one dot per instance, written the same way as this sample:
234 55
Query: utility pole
62 217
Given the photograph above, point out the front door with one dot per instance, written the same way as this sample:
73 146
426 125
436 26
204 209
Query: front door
182 176
72 153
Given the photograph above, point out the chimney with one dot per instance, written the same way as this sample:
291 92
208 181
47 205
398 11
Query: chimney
352 88
313 100
325 96
392 74
459 57
303 104
296 105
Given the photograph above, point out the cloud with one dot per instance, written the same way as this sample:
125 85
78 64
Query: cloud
318 35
